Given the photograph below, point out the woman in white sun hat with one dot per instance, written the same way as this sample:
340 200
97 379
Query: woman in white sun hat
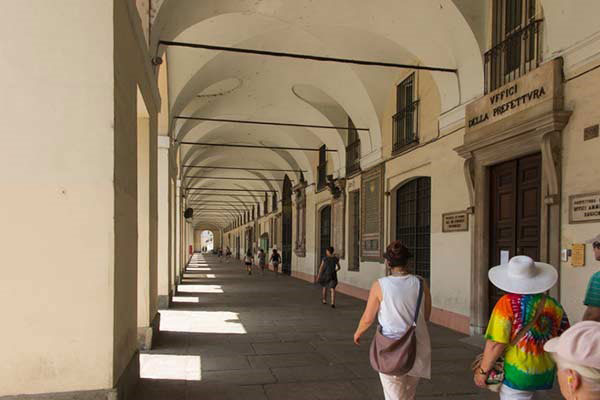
577 355
522 321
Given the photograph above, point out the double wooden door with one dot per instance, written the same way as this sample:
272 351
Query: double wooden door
515 212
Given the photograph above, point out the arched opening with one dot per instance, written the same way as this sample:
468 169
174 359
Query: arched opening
207 241
413 223
324 231
286 235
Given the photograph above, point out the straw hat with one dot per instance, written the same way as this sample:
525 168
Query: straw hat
522 275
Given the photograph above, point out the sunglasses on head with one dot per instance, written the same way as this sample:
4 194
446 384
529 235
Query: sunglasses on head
596 245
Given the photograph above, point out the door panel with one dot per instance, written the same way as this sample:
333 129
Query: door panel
325 226
515 204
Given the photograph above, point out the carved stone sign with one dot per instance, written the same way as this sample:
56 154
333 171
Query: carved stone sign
338 224
455 222
584 208
372 214
532 89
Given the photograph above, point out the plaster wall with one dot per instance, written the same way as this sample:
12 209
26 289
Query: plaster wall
580 172
58 199
143 215
163 264
131 70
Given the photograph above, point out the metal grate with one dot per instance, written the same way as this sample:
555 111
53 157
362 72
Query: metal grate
354 250
322 168
352 149
413 223
516 46
405 121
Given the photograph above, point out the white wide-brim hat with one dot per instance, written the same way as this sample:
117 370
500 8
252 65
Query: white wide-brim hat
522 275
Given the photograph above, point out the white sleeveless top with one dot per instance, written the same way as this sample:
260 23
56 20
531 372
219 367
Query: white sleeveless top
396 315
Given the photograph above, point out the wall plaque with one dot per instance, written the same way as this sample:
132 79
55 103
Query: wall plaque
371 215
578 255
455 222
534 88
584 208
338 224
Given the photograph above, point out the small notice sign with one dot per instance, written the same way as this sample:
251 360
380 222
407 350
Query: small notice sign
578 255
455 222
584 208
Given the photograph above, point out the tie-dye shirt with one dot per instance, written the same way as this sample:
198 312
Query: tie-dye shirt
526 365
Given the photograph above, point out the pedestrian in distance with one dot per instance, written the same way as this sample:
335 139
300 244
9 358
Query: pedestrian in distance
262 260
401 302
592 295
249 260
523 320
275 260
577 356
227 254
327 276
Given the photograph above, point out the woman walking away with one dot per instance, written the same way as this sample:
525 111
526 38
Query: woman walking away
577 356
402 303
275 260
262 260
228 254
248 260
327 276
522 321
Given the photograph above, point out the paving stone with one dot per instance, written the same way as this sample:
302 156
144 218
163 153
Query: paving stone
224 363
287 360
282 348
314 391
290 346
312 373
240 377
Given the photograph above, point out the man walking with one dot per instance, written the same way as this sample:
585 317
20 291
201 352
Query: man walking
592 295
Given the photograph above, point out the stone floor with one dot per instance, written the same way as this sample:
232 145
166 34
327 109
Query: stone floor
229 335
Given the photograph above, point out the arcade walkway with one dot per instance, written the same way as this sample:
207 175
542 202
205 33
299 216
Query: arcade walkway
233 336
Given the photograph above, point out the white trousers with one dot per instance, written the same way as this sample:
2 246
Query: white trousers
399 387
507 393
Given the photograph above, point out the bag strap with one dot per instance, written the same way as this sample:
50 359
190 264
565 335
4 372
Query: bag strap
527 327
419 299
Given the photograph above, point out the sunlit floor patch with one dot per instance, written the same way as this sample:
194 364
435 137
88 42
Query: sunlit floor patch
201 322
199 288
205 276
169 366
185 299
198 269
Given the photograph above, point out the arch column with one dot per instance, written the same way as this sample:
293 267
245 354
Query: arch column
164 266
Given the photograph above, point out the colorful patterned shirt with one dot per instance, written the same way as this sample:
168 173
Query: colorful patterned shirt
592 295
526 365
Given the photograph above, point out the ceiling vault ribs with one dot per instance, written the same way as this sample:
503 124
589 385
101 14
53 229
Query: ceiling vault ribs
252 146
232 190
306 56
254 122
244 169
234 178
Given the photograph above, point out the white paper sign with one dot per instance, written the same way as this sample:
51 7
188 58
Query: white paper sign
504 256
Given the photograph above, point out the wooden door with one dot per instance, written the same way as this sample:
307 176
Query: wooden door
515 204
325 236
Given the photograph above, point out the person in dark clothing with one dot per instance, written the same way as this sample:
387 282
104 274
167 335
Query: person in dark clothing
275 260
327 276
249 260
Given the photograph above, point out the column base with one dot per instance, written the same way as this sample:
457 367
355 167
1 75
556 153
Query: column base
124 390
144 338
164 301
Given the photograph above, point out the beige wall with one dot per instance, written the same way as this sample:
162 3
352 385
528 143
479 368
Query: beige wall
132 71
58 197
580 174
